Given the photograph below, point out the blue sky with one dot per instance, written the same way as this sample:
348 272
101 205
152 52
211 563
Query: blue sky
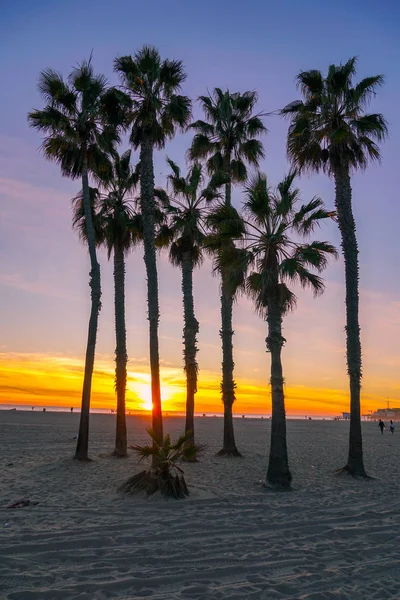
252 45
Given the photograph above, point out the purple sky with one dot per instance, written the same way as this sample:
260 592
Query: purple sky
254 45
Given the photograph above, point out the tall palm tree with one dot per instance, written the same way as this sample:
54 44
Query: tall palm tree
273 258
330 131
188 207
81 121
158 111
228 140
117 226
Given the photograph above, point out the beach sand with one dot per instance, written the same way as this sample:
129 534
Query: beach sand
332 537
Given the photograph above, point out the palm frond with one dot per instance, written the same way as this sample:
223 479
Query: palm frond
162 198
310 83
255 127
202 127
79 219
252 150
194 179
66 153
51 119
158 110
362 93
328 130
226 222
293 269
309 215
201 147
238 171
315 254
172 75
82 119
258 198
174 168
371 125
234 263
55 91
229 130
273 228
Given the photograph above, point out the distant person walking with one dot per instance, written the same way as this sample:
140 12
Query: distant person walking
72 409
381 425
392 427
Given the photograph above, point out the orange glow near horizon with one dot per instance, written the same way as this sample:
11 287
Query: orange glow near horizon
43 380
143 393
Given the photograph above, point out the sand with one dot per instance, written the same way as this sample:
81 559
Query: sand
231 539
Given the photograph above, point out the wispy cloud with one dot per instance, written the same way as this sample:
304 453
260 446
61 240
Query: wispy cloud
46 379
18 282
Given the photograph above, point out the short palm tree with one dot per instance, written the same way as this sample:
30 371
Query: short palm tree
158 111
117 226
273 258
164 475
228 139
331 132
81 121
188 206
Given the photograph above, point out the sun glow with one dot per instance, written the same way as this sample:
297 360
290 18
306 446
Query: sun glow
143 391
45 380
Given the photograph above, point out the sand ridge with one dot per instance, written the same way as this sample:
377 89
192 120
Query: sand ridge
330 538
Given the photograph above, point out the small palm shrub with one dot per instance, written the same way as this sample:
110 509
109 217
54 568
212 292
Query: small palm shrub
164 475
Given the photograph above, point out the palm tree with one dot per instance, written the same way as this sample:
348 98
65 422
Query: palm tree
228 140
276 258
81 122
117 226
187 206
158 111
330 131
164 475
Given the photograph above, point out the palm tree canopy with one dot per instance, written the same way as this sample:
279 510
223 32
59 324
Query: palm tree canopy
79 220
274 255
230 131
329 128
122 223
115 218
154 85
225 227
82 119
187 206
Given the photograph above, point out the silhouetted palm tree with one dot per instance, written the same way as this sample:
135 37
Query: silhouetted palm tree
187 206
158 111
164 475
117 226
228 140
81 122
272 259
330 131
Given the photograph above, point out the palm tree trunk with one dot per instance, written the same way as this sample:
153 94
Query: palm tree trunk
190 330
228 384
278 466
227 172
355 463
148 212
82 446
121 357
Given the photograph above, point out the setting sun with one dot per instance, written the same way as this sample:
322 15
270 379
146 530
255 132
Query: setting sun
143 391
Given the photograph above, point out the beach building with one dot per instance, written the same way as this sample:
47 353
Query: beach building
386 413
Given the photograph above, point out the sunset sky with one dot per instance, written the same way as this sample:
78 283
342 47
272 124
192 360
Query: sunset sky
44 294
